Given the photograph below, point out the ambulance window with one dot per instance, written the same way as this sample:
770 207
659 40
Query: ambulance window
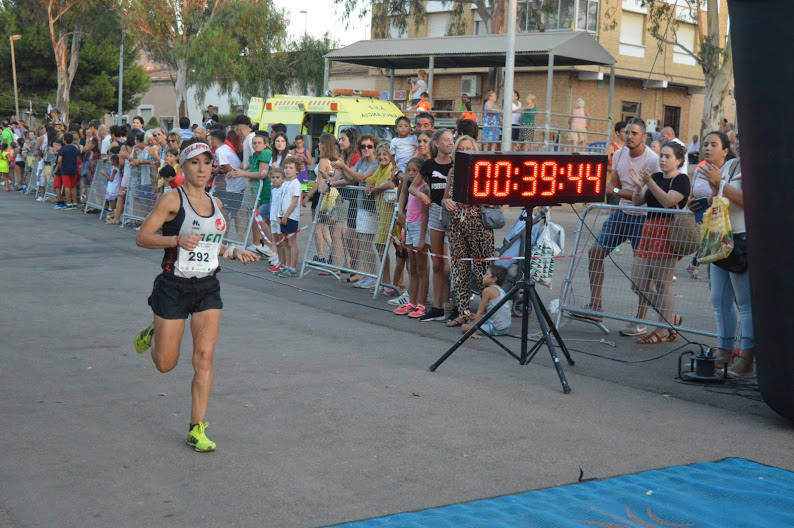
382 132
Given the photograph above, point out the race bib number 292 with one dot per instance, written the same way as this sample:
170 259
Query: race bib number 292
202 259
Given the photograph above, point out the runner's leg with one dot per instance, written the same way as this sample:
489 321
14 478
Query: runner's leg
204 326
167 338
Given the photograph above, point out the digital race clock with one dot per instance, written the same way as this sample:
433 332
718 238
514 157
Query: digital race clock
530 179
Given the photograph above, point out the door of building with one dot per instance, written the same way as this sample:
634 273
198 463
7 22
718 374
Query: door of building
672 118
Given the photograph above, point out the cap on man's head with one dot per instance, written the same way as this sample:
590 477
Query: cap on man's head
242 119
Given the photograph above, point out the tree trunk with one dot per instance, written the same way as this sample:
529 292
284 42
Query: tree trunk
714 99
180 87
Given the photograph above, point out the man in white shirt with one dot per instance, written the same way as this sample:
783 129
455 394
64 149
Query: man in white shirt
622 226
229 190
668 134
242 125
104 146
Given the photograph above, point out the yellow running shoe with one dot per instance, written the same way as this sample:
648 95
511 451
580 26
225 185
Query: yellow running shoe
143 341
198 440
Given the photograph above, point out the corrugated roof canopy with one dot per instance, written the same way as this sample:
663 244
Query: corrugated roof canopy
532 49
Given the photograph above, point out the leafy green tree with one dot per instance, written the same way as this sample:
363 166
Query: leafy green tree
711 53
93 91
306 66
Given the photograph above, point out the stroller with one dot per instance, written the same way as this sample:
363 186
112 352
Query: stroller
514 245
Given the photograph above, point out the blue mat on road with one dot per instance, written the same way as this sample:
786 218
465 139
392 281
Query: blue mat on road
731 493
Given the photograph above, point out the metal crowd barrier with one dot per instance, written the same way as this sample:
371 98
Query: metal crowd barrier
95 198
141 194
351 232
238 207
31 166
49 179
628 280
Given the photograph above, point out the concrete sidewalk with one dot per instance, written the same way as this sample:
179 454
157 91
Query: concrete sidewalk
323 408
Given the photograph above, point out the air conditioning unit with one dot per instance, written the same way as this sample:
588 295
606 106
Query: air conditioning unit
470 85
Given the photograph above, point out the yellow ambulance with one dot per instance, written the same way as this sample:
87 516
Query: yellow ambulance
363 110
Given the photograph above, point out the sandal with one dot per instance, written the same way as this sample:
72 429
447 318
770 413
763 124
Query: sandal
459 320
677 321
354 278
748 370
655 338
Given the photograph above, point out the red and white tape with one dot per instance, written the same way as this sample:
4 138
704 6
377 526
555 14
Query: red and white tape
259 222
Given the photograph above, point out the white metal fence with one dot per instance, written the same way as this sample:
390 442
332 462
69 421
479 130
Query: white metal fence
238 207
140 194
641 280
352 232
95 197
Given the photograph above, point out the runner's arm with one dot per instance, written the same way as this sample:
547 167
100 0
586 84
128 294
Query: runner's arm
164 210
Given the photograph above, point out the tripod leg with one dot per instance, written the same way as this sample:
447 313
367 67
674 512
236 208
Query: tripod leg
547 338
524 324
476 326
556 333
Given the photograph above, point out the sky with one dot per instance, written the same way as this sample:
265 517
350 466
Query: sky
322 17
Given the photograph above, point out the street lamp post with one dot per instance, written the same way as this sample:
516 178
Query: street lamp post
12 38
305 20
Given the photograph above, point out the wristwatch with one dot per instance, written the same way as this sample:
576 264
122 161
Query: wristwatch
616 190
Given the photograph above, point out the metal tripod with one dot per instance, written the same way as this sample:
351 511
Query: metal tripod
527 288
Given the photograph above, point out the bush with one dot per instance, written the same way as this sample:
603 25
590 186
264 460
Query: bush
152 123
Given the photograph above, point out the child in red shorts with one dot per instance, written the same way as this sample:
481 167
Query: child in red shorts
68 170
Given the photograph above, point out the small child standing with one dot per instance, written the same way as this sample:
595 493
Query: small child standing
276 189
289 216
492 292
68 171
113 181
5 157
417 238
403 147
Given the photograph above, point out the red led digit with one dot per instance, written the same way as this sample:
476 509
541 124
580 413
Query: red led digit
552 165
577 177
589 176
531 177
506 167
475 186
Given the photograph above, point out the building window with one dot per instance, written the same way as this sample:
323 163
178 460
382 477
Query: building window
438 24
632 32
560 15
146 112
395 32
686 36
167 122
628 110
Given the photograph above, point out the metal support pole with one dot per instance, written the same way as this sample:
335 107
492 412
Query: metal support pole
430 69
510 59
325 76
549 81
611 108
12 38
575 22
120 110
391 86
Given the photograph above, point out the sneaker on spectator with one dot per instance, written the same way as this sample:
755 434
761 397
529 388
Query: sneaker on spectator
287 273
41 199
418 311
402 300
404 309
633 329
263 250
433 314
59 206
251 248
366 282
275 268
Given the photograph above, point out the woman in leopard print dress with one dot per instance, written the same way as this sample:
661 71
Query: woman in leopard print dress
467 239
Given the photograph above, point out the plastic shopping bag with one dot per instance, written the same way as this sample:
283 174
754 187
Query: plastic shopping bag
550 243
716 242
330 200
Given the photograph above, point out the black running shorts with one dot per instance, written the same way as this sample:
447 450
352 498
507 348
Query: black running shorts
176 297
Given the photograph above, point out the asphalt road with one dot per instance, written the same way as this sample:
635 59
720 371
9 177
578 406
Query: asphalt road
323 409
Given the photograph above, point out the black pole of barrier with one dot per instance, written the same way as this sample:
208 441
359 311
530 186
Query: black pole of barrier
525 287
763 78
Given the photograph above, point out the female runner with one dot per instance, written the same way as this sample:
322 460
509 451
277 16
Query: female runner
192 236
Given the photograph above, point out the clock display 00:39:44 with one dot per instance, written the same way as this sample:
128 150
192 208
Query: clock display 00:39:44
531 178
